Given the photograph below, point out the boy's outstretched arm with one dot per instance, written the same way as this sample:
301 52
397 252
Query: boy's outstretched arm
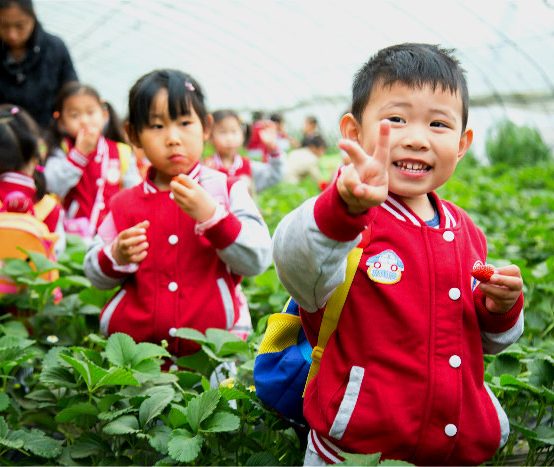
312 242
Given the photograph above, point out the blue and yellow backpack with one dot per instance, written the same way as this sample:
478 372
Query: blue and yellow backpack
286 361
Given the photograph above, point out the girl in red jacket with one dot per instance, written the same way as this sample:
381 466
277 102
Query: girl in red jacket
178 243
22 185
88 161
228 138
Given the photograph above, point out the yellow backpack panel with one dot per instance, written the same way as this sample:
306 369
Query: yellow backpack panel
27 232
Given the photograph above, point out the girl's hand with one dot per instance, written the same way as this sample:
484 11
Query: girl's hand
503 289
130 245
365 182
87 139
192 198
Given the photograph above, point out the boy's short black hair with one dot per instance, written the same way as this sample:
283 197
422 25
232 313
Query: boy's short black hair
414 65
183 92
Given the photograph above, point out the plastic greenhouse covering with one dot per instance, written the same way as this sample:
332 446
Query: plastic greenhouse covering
298 57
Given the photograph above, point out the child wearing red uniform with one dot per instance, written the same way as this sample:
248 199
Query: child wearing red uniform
228 137
403 373
22 186
86 164
180 242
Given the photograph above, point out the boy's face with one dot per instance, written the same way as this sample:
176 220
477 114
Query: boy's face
426 139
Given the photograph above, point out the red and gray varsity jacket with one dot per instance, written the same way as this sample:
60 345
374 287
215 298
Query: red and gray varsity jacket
403 372
189 277
86 183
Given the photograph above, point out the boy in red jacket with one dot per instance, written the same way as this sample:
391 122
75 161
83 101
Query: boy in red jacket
403 372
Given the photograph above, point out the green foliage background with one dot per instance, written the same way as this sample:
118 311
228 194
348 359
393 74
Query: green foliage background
71 397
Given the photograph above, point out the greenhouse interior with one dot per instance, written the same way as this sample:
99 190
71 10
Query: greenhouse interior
196 197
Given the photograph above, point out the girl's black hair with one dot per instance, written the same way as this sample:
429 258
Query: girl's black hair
414 65
19 143
25 5
113 129
183 92
222 114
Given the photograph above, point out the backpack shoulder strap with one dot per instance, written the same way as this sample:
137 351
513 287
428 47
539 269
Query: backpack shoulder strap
44 207
334 306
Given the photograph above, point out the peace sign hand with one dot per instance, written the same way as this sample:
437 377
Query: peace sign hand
364 182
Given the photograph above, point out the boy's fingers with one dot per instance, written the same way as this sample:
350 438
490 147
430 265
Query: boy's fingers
382 149
357 155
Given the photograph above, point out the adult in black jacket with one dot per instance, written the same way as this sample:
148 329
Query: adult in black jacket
34 64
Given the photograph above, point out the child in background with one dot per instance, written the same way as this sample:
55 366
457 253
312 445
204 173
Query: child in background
22 184
87 161
284 140
228 138
403 373
304 162
180 242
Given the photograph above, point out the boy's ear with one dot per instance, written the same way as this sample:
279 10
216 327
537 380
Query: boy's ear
465 143
349 127
131 135
208 125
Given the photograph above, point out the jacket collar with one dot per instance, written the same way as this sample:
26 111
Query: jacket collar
395 206
16 181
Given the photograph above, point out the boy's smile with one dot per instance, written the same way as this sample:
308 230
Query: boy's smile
426 138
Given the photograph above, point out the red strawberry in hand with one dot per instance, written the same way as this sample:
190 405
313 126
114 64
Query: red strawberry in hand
482 272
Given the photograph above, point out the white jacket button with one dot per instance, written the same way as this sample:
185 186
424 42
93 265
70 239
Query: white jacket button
172 286
448 235
450 430
173 239
172 332
455 361
454 293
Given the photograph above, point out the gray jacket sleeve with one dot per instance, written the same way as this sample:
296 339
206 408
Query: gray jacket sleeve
494 343
60 174
250 253
309 264
266 174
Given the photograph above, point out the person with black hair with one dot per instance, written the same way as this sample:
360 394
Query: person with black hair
311 128
34 64
22 184
284 140
88 160
403 372
179 243
227 137
303 162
